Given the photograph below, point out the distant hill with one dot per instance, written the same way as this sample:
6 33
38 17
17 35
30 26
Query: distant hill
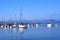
32 21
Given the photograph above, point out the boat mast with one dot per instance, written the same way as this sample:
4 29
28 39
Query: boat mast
15 20
21 15
3 20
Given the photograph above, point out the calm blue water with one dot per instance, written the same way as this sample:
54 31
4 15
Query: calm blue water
40 33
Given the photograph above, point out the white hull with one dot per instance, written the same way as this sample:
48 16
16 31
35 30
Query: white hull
14 26
21 26
49 25
2 26
37 25
10 27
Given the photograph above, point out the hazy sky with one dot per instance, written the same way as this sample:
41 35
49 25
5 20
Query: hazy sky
32 9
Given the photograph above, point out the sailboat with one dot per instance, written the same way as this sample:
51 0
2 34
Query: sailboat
37 25
14 25
3 25
28 25
21 26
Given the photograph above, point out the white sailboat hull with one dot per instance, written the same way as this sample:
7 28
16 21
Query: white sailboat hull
49 25
21 26
14 26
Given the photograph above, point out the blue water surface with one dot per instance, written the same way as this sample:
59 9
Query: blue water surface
40 33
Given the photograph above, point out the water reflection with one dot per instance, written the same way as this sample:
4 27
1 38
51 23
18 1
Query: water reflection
42 32
14 29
